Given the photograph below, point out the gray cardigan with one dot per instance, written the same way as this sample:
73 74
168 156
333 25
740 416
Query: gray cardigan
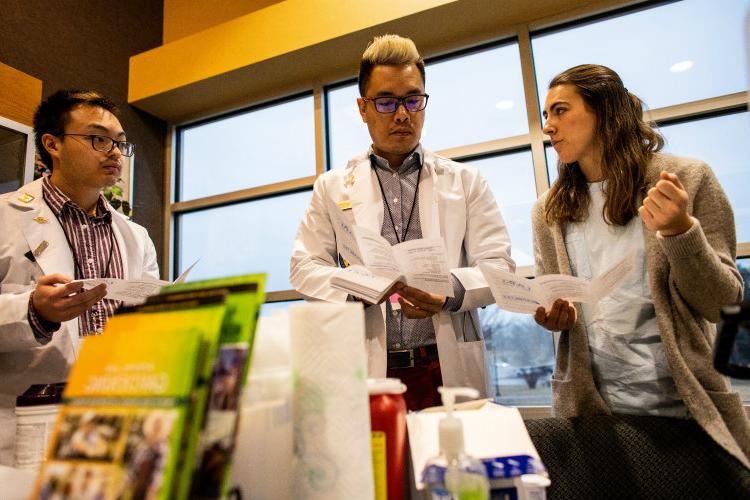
692 276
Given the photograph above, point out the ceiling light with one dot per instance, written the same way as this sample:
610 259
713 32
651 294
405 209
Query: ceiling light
681 66
504 104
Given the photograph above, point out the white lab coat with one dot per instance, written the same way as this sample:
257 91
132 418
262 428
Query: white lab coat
23 361
456 204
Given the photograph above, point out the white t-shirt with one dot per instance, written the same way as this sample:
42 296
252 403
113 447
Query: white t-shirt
627 356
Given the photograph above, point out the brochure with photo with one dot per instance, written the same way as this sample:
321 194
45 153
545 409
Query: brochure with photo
218 430
126 429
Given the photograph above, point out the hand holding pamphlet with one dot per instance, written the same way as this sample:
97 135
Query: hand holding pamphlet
133 291
518 294
420 263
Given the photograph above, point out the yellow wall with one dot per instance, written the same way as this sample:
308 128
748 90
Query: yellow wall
261 35
186 17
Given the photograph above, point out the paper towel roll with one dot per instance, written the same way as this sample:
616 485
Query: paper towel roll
331 405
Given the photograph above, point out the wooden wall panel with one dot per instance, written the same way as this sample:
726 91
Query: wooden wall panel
20 96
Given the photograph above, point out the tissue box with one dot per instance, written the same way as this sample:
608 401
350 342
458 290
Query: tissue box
494 434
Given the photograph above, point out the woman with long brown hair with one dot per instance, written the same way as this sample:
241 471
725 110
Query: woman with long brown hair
646 347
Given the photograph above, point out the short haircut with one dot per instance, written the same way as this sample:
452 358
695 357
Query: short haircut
389 50
53 114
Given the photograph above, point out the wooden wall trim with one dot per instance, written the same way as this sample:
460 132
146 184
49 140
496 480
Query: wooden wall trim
21 95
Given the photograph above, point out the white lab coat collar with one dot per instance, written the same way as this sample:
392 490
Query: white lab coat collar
57 257
367 201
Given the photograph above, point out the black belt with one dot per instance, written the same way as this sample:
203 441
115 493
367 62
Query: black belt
408 358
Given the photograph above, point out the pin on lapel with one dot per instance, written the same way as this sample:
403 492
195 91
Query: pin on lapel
25 198
344 204
40 220
41 248
350 180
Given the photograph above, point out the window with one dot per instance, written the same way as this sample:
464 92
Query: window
270 308
347 133
688 77
511 178
475 97
248 237
521 357
551 156
720 142
16 155
253 230
247 149
743 386
665 54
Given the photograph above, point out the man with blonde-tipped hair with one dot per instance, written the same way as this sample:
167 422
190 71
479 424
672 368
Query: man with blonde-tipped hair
405 192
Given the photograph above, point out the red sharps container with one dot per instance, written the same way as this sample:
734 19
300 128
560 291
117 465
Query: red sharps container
388 435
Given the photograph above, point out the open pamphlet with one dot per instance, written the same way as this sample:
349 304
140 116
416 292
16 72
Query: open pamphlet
359 281
375 265
518 294
133 291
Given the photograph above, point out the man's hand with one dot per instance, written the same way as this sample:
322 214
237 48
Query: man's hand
56 299
417 304
665 207
562 316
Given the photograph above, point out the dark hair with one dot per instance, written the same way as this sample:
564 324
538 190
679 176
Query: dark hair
627 143
388 50
53 114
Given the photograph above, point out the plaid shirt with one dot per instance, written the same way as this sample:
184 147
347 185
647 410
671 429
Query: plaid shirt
92 242
400 189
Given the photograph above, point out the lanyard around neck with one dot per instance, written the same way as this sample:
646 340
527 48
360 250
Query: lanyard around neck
400 238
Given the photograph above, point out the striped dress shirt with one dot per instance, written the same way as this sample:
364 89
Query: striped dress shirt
95 254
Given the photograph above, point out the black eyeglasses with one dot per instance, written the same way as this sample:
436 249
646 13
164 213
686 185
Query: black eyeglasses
106 144
387 104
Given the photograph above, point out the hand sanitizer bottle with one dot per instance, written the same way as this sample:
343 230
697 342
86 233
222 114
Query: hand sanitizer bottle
454 475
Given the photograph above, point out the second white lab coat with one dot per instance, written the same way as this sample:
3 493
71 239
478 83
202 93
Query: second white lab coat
456 204
23 360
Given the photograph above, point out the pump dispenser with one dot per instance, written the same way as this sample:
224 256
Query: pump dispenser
454 475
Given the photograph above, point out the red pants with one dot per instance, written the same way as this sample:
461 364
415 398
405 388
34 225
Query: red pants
422 382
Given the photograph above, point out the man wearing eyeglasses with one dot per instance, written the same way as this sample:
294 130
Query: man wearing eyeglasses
405 192
57 229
